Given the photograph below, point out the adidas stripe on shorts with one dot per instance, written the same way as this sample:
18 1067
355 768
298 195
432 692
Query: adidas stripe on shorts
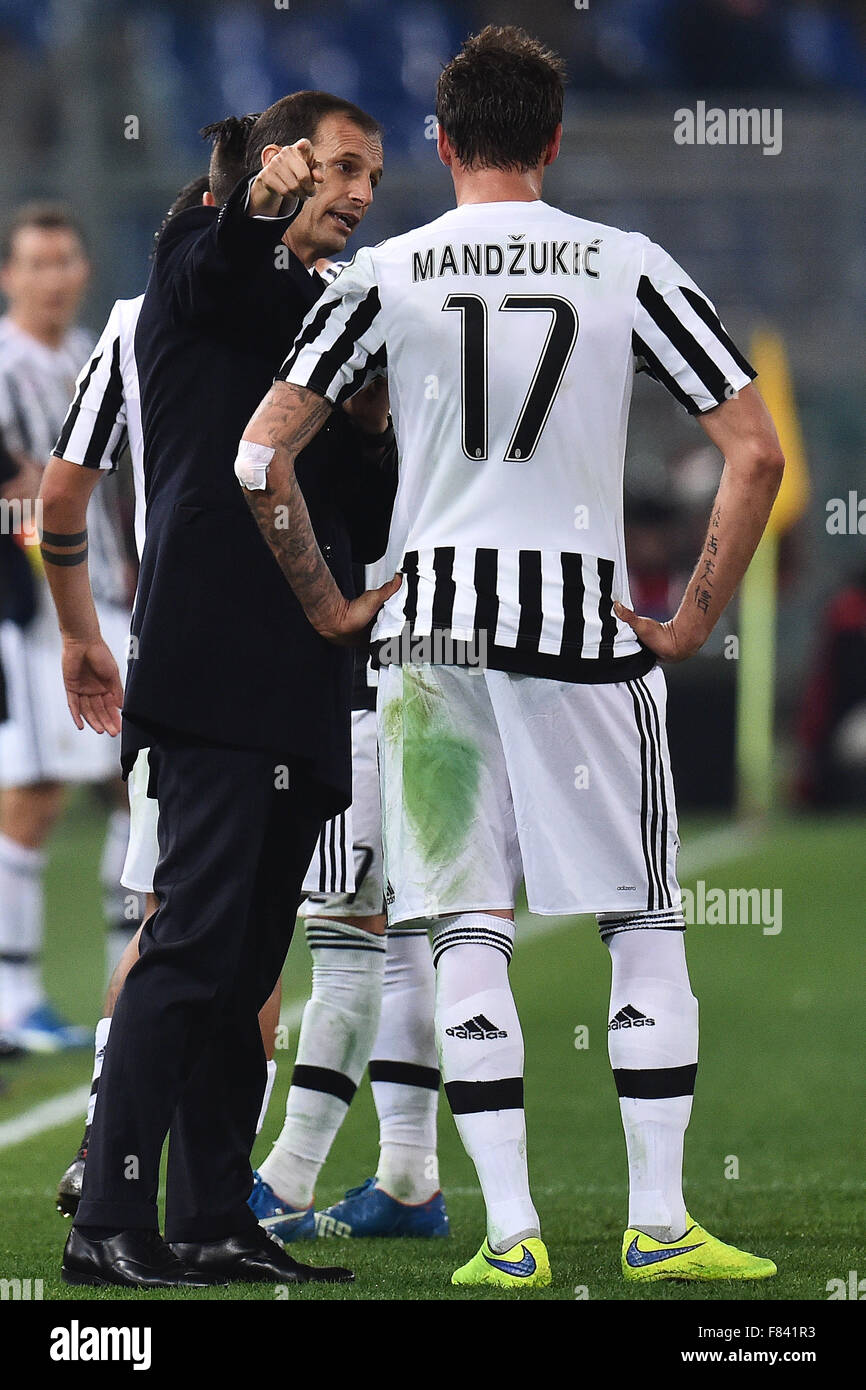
351 885
490 777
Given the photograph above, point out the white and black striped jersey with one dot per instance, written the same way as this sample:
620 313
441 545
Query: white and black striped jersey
105 414
36 384
510 333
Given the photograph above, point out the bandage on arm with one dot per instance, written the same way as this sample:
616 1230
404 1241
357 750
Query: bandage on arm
252 464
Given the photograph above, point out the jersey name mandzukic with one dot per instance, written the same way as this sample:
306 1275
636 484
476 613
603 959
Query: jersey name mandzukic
517 257
510 334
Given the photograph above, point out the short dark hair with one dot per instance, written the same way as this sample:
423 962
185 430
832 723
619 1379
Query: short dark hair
499 100
228 159
298 117
190 196
48 217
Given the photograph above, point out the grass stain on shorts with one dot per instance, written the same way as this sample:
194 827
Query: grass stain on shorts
440 770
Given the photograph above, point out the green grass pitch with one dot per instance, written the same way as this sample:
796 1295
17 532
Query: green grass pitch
780 1091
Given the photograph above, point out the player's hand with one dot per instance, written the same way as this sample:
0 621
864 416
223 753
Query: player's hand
94 693
350 625
369 408
292 173
665 639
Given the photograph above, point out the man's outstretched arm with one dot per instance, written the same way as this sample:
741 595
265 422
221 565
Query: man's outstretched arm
285 422
94 691
744 432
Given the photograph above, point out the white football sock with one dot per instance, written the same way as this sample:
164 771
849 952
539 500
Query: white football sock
103 1028
653 1048
21 927
481 1057
266 1098
404 1070
121 927
339 1025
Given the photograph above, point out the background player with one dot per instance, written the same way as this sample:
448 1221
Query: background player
44 271
497 467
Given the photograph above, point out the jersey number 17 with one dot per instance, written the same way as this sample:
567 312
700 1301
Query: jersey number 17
549 370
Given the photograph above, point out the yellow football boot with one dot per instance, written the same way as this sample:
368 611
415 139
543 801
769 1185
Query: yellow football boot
697 1255
524 1266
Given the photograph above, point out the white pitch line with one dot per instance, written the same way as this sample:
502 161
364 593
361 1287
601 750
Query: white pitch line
705 852
48 1115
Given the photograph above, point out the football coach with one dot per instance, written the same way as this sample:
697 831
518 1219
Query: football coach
243 705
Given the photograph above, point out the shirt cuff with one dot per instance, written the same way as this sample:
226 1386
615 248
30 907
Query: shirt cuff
286 217
237 232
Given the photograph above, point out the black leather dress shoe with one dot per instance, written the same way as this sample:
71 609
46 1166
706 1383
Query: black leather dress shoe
135 1259
253 1257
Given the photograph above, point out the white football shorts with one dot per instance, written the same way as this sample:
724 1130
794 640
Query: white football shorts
143 848
489 778
39 742
350 854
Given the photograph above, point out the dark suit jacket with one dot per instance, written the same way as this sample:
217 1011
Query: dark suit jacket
222 650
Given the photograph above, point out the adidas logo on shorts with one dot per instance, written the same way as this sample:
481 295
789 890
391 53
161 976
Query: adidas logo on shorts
630 1017
478 1029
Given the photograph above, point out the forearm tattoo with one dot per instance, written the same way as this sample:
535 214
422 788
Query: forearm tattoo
286 421
63 541
703 589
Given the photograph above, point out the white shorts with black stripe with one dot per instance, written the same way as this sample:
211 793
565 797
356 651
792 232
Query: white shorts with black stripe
345 876
489 778
39 742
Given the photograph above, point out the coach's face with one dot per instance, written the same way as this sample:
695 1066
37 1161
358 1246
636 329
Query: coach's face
351 162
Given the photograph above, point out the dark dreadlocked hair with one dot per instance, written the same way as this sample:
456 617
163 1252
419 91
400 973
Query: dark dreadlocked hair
228 160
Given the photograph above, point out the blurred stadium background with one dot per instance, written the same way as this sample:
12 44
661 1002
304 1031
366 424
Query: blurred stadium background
776 239
779 242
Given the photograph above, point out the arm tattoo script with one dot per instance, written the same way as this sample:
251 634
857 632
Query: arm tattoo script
703 590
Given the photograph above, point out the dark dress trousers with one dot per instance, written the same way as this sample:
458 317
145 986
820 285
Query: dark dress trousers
245 710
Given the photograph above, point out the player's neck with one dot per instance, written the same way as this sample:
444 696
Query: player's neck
49 334
496 185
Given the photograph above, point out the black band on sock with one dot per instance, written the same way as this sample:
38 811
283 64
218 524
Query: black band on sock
18 957
655 1083
333 1083
471 1097
405 1074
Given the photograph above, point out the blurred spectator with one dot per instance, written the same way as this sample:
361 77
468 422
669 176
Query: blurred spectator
653 527
832 725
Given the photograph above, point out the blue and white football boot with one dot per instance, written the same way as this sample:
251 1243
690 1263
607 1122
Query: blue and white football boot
43 1030
277 1217
370 1211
